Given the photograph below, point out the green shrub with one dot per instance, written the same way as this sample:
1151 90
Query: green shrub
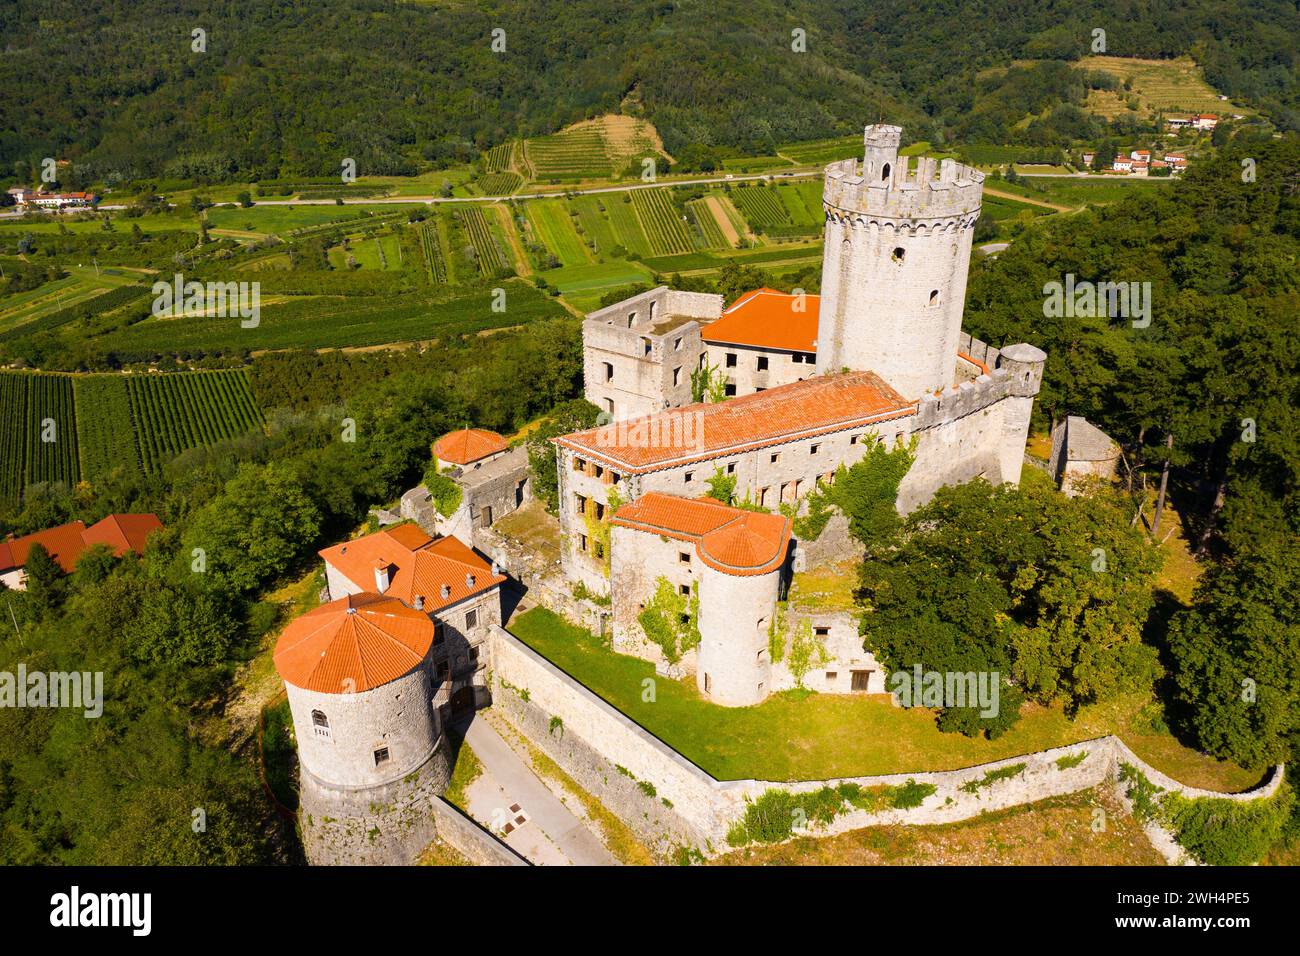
910 795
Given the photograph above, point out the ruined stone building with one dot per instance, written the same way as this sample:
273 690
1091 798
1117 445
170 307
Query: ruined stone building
807 381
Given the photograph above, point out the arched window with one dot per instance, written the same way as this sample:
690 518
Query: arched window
899 253
934 297
884 173
318 719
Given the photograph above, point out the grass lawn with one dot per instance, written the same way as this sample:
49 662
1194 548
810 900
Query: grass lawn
1053 832
791 736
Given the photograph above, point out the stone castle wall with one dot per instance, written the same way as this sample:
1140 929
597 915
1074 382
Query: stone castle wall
599 739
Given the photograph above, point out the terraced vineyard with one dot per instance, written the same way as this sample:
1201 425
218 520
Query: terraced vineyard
573 154
491 257
497 159
173 413
661 222
431 245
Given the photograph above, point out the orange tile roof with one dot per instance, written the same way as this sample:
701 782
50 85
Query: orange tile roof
123 533
67 542
695 433
766 319
727 539
419 566
468 445
354 644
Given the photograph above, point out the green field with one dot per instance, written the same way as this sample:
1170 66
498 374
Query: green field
280 220
78 290
570 155
661 222
596 225
432 245
793 736
823 151
101 423
329 321
555 230
488 252
40 437
627 228
172 413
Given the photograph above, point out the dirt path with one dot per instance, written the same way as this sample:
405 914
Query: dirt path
714 205
523 266
989 191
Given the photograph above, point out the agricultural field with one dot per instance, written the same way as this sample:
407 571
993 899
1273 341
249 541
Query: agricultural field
339 321
283 220
173 413
785 211
431 244
378 252
27 311
488 252
106 435
43 446
627 227
1159 86
596 149
824 151
596 226
554 228
701 213
661 222
500 184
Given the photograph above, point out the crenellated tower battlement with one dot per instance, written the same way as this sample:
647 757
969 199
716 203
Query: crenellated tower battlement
894 265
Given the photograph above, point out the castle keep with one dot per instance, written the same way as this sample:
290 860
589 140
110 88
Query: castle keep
807 383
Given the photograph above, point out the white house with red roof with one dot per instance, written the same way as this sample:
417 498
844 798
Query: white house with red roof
763 339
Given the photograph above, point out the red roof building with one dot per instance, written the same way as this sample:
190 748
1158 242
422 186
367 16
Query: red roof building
468 445
768 319
352 645
727 539
67 542
403 562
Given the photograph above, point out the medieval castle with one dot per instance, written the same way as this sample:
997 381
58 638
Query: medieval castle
801 384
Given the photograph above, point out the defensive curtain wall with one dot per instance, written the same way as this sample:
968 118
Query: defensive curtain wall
670 802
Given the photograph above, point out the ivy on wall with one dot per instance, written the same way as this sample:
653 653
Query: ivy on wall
671 619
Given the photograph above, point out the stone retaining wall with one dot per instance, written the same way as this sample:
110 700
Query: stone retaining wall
469 839
699 810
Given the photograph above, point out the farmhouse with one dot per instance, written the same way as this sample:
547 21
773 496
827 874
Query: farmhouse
68 542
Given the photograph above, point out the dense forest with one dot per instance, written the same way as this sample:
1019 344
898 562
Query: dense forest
291 87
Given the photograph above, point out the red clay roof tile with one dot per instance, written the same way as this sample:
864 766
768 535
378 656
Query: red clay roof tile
468 445
767 319
727 539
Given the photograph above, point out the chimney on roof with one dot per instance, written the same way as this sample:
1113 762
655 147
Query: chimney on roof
446 591
469 581
496 569
381 575
419 602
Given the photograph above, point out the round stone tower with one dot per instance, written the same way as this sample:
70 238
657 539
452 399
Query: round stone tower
894 267
739 585
371 751
1025 364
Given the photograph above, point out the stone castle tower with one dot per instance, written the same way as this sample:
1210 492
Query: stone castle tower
372 753
898 245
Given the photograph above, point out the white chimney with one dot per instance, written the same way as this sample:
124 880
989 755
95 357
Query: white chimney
381 576
469 581
419 602
446 591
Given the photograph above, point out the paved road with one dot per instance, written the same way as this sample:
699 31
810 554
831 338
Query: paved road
520 786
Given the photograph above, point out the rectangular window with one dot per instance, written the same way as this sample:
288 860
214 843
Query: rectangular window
578 464
600 470
831 675
762 497
684 557
689 476
731 467
381 756
861 680
471 619
439 634
813 449
822 631
646 344
684 590
677 375
582 543
776 456
609 371
762 363
580 504
729 390
600 511
731 360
